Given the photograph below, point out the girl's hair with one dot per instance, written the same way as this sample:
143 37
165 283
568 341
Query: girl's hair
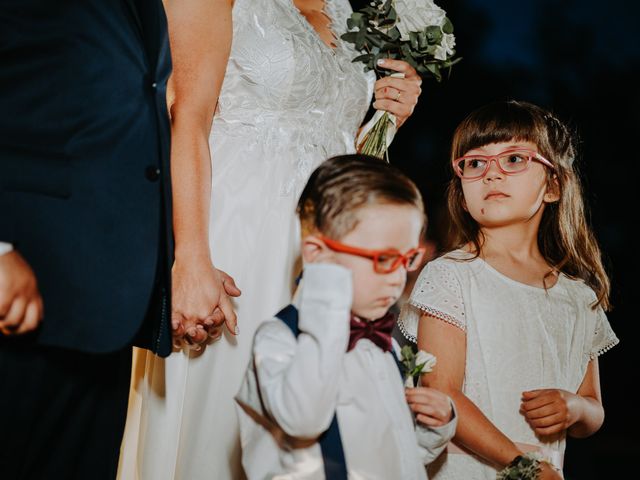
343 185
564 238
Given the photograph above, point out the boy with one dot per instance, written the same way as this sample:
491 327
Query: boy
323 396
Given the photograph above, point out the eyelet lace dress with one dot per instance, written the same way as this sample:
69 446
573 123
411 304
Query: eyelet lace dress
519 337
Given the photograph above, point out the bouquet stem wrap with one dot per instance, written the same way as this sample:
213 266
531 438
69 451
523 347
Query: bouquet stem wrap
377 134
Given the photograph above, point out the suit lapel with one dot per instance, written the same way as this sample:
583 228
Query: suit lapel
146 15
133 10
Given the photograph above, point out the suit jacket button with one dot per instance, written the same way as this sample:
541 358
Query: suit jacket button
152 173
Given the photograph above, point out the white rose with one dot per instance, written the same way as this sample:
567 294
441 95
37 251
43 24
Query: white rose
440 53
416 15
428 359
448 42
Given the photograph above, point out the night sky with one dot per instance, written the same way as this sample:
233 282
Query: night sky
580 59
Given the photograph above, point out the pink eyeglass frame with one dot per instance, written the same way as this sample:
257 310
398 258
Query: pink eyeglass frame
531 155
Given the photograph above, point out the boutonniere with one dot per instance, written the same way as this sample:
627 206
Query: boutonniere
415 364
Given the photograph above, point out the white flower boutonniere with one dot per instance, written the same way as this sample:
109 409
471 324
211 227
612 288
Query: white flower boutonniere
415 364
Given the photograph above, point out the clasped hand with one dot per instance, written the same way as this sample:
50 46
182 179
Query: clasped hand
21 307
200 303
549 411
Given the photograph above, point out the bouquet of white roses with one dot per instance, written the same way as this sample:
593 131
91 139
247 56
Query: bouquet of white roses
416 31
415 364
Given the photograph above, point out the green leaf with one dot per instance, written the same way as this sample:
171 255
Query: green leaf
394 34
363 58
349 37
413 39
448 26
433 34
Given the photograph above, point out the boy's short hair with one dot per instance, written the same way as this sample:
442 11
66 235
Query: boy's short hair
342 185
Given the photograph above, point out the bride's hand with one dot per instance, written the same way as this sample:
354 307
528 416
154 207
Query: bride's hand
200 300
214 324
398 95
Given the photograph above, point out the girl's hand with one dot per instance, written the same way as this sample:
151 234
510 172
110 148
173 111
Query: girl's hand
398 95
550 411
431 406
548 472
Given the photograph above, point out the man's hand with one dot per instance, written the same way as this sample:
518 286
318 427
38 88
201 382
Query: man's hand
21 308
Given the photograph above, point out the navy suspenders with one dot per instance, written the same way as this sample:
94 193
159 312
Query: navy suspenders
335 466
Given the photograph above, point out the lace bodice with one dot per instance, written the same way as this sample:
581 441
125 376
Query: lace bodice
286 89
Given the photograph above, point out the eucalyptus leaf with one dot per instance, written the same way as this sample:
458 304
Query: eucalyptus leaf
447 27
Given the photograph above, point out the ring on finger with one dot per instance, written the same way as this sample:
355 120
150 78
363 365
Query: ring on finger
397 99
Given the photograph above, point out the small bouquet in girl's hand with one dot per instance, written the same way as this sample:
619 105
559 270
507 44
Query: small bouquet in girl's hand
416 31
415 364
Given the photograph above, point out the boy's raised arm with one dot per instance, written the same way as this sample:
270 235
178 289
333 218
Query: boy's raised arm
299 378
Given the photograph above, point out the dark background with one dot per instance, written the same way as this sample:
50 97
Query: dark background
580 59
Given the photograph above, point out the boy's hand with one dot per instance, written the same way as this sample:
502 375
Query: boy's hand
431 406
550 411
21 307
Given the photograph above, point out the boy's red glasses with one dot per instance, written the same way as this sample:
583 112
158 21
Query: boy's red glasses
384 261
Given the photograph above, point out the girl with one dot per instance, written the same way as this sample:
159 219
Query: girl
515 311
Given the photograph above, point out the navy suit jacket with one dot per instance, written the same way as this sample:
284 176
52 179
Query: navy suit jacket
84 164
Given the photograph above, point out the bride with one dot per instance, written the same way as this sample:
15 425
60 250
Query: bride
263 91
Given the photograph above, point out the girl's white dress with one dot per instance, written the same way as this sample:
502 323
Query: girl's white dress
288 102
519 337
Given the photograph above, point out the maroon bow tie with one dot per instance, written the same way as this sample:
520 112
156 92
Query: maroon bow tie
378 331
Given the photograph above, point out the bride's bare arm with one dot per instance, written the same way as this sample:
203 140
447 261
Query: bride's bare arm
200 34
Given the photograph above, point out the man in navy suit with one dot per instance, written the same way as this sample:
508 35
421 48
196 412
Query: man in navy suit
85 226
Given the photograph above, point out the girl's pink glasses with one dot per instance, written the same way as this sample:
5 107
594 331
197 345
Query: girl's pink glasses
510 162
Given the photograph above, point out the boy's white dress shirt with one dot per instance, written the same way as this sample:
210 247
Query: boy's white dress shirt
293 387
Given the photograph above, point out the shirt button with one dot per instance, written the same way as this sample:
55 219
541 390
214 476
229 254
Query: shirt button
152 173
154 85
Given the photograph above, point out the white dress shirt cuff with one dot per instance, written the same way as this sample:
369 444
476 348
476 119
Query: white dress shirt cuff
5 248
328 284
435 439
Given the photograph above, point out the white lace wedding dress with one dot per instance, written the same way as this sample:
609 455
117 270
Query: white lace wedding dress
288 102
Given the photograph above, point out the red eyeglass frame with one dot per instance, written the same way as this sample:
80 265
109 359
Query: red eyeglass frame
532 155
375 254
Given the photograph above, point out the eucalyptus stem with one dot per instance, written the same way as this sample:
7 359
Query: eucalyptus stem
375 141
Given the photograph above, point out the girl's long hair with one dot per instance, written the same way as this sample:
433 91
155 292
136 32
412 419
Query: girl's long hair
565 238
